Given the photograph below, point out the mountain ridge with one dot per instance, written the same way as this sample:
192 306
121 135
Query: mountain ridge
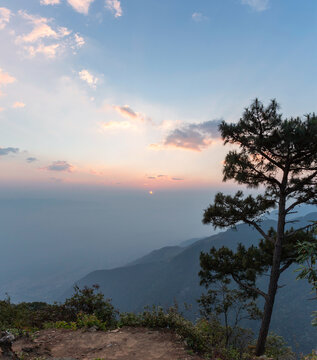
175 278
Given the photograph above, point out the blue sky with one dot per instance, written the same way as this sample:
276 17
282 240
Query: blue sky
118 92
109 110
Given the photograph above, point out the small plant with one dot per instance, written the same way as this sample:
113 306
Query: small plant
61 325
228 304
89 321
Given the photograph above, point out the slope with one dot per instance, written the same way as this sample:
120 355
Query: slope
167 279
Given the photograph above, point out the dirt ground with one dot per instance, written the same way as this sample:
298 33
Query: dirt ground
121 344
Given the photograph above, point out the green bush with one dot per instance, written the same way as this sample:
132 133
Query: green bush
88 309
83 321
89 321
37 315
277 348
61 325
205 337
89 301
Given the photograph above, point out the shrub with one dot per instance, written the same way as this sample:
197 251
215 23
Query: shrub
88 301
206 336
277 349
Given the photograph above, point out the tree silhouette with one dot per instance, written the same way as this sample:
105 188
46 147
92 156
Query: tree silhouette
279 156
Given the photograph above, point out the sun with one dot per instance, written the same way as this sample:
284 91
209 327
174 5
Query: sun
151 192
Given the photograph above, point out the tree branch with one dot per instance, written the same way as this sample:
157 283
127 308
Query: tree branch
298 202
297 230
259 229
268 158
302 183
269 179
286 266
248 287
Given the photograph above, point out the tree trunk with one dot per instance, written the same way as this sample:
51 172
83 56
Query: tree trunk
274 277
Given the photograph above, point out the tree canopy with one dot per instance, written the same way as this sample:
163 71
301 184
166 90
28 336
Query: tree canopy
279 157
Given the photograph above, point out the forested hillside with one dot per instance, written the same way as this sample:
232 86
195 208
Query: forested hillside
171 274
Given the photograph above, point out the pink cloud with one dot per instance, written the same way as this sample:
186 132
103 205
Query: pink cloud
128 113
41 29
18 104
194 137
82 6
46 38
116 125
48 51
5 78
5 15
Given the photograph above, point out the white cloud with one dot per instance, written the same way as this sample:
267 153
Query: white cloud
50 2
198 17
5 78
115 7
82 6
257 5
79 40
5 15
18 104
46 38
90 79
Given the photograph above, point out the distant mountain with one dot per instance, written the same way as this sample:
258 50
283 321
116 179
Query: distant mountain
164 254
171 273
189 242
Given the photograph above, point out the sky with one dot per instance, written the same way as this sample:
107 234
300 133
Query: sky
129 93
109 114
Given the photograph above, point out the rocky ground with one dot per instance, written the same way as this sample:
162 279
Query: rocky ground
121 344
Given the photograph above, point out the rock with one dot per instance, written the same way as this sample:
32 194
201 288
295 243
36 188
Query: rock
6 340
93 329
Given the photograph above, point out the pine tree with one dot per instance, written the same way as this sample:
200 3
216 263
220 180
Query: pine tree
279 156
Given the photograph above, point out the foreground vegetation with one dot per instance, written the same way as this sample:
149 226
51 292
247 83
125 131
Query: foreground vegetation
87 309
